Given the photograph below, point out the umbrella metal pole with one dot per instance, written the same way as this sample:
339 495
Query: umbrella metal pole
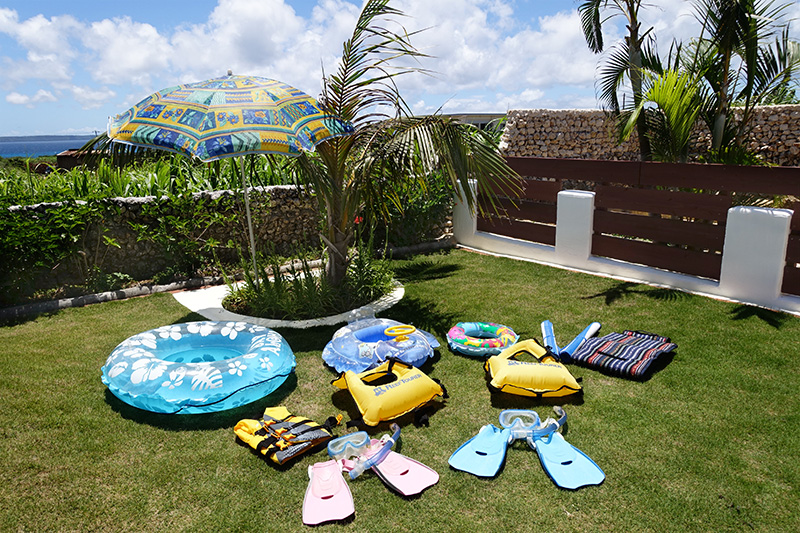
249 221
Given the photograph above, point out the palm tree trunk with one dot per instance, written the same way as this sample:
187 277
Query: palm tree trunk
336 268
635 73
337 240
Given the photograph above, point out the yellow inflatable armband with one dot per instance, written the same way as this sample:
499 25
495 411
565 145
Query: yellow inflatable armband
408 389
545 377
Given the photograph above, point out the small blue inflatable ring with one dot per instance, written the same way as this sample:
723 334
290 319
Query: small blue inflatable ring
198 367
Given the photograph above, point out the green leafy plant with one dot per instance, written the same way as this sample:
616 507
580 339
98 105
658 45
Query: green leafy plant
35 242
417 211
99 281
299 291
183 225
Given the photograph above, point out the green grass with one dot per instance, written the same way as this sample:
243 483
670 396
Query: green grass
709 443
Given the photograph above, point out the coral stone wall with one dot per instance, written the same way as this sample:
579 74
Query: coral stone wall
284 218
588 134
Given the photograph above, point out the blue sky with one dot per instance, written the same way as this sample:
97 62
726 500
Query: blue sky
65 67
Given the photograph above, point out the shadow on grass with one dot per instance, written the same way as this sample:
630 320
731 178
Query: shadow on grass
216 420
625 289
308 340
504 400
772 318
422 314
425 270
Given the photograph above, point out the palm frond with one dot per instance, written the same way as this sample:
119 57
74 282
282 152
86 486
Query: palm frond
678 97
364 80
611 74
590 22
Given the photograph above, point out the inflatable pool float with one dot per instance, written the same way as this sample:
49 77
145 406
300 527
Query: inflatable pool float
391 390
480 339
545 377
366 343
198 367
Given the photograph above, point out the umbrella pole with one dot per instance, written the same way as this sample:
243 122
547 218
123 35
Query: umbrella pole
249 220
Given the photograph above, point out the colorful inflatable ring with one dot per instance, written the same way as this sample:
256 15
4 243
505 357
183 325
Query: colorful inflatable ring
198 367
480 339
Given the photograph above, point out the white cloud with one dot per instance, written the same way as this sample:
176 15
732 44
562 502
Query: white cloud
29 101
40 35
90 98
487 56
125 51
8 20
260 38
485 48
46 46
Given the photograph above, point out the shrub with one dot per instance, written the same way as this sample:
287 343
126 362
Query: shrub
300 292
34 243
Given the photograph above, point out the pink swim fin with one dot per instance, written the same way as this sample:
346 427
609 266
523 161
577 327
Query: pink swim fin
404 475
328 497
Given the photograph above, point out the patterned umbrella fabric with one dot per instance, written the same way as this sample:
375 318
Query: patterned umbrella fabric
227 117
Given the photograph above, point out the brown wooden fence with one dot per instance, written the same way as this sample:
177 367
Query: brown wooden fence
663 215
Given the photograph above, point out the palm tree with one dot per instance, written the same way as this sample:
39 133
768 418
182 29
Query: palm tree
353 171
625 59
679 99
700 81
734 61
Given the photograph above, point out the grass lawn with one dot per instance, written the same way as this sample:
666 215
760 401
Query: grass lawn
711 442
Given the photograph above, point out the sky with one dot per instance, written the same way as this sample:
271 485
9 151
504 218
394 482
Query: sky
66 67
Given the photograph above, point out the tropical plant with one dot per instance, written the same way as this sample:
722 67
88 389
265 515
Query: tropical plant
732 63
735 57
671 126
625 59
353 172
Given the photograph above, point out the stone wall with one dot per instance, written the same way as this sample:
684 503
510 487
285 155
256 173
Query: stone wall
588 134
284 218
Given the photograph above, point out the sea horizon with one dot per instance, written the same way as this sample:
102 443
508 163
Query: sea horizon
40 145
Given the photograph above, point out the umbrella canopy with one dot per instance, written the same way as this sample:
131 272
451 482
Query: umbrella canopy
227 117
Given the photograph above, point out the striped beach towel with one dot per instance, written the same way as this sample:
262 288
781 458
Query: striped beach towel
628 354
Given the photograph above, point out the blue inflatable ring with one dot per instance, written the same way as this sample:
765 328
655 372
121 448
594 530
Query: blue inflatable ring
365 344
198 367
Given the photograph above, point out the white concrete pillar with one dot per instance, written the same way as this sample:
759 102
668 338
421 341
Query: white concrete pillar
574 227
754 253
465 221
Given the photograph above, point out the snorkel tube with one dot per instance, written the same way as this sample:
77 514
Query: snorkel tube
525 424
362 463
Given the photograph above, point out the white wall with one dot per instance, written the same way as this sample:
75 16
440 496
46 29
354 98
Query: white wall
753 256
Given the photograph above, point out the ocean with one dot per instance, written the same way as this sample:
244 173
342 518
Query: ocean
40 145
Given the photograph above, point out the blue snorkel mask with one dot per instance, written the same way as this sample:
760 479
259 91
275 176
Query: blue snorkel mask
525 424
352 450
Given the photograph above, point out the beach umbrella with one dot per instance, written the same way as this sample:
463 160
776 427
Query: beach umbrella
229 116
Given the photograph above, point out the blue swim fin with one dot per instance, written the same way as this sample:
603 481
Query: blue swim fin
567 466
482 455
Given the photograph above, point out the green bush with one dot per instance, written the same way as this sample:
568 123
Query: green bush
156 176
182 225
299 292
33 244
414 214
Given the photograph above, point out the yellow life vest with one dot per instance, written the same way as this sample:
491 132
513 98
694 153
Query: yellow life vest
281 435
545 377
407 388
